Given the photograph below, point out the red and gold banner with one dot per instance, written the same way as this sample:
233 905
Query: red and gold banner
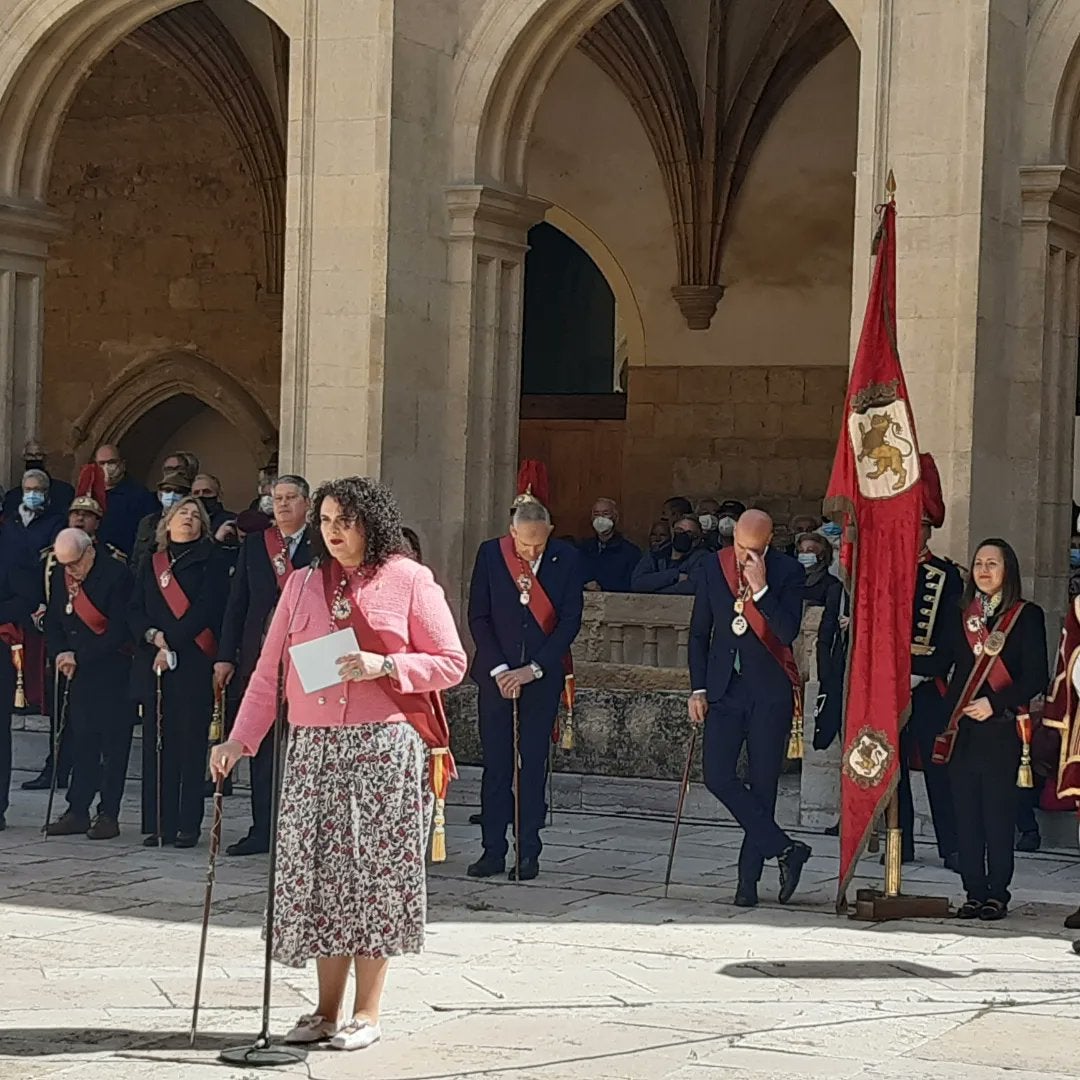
1061 710
875 495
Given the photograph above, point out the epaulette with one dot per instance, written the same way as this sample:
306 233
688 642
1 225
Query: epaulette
116 553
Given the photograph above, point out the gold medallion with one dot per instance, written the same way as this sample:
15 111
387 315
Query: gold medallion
165 578
69 608
740 605
994 643
280 564
974 623
342 609
978 649
739 626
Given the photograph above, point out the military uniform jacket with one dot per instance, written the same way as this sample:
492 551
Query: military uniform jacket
939 588
103 659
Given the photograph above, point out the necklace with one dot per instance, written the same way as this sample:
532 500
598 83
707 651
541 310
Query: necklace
986 641
739 625
167 575
341 606
281 558
73 589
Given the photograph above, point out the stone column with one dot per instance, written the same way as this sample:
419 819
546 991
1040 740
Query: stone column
25 232
488 234
959 242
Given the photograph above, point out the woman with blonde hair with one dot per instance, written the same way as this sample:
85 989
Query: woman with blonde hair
175 614
364 755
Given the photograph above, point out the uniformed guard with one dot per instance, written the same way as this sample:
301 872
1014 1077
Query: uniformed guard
266 560
85 513
89 642
525 606
938 589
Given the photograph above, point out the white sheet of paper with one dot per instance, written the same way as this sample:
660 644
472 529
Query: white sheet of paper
316 661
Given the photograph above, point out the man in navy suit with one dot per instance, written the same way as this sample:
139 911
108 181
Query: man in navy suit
524 612
747 612
266 559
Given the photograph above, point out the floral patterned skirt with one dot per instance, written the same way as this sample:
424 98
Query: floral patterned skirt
352 838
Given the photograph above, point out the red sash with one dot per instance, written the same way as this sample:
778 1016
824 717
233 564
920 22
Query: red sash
424 711
543 611
278 552
986 669
85 608
780 652
178 602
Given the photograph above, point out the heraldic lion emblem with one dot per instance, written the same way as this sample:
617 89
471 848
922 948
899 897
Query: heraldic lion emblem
885 457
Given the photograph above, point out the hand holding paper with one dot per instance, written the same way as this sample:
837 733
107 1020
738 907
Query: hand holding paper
317 662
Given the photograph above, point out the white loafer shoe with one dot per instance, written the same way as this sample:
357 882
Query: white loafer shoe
312 1029
356 1035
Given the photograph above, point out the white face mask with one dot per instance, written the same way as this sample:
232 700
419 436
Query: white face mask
266 504
808 559
602 524
727 526
708 522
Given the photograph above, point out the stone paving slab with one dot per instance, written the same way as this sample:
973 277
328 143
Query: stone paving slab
588 972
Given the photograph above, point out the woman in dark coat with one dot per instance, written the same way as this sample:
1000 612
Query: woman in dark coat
997 647
176 611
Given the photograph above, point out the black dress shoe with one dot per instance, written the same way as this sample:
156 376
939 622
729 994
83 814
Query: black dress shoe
153 841
487 866
952 862
833 830
476 819
43 782
791 864
993 910
250 845
3 823
186 840
1072 922
1029 841
1076 947
746 894
529 869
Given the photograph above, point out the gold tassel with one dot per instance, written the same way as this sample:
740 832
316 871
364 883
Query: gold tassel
20 686
217 720
1024 777
439 782
795 739
566 742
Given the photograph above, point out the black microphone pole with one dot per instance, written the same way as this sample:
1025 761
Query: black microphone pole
261 1054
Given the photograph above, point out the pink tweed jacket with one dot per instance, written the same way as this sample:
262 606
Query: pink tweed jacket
403 603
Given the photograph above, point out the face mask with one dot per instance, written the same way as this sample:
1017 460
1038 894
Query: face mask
33 500
211 502
602 524
831 530
682 542
1074 558
726 526
266 504
708 522
113 472
808 559
169 499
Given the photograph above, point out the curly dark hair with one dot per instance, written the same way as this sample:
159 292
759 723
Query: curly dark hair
368 503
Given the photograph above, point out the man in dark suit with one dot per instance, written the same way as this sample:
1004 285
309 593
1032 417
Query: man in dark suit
60 491
266 559
89 641
747 612
525 606
126 502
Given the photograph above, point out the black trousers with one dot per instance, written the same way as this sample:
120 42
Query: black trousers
927 721
7 703
98 733
983 777
764 724
536 714
184 731
1027 802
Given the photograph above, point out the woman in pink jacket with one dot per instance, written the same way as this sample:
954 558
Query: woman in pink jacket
356 805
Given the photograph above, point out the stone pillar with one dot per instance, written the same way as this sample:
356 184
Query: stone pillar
488 234
25 232
1046 360
958 239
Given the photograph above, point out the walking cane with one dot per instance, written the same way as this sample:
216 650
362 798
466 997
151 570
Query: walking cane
551 784
684 787
58 732
215 844
517 789
216 733
158 741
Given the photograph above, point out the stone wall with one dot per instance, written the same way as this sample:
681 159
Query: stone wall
764 435
165 249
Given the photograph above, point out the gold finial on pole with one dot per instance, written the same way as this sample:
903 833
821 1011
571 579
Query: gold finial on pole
890 187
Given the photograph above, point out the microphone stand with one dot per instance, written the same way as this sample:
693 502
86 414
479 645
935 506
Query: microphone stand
261 1054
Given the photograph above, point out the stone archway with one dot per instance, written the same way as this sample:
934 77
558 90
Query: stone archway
151 381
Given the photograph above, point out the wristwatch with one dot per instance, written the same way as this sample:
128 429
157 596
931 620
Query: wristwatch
388 666
537 670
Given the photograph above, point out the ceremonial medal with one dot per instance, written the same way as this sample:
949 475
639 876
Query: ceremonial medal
739 625
974 624
524 584
165 578
342 609
978 649
280 564
740 604
70 608
994 643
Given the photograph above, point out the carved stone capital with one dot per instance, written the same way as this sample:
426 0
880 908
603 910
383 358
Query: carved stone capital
480 211
26 228
698 303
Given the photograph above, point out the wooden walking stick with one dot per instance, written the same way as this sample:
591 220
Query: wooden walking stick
215 844
158 742
517 789
684 787
57 732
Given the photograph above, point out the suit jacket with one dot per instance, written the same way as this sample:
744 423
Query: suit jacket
938 592
101 658
505 631
713 644
253 595
125 506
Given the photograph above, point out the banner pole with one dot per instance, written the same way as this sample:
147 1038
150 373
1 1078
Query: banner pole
893 848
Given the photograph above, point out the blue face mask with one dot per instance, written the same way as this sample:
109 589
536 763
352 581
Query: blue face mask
808 559
33 500
830 530
169 499
1074 558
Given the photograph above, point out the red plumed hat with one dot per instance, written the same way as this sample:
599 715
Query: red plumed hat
532 481
92 482
933 502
